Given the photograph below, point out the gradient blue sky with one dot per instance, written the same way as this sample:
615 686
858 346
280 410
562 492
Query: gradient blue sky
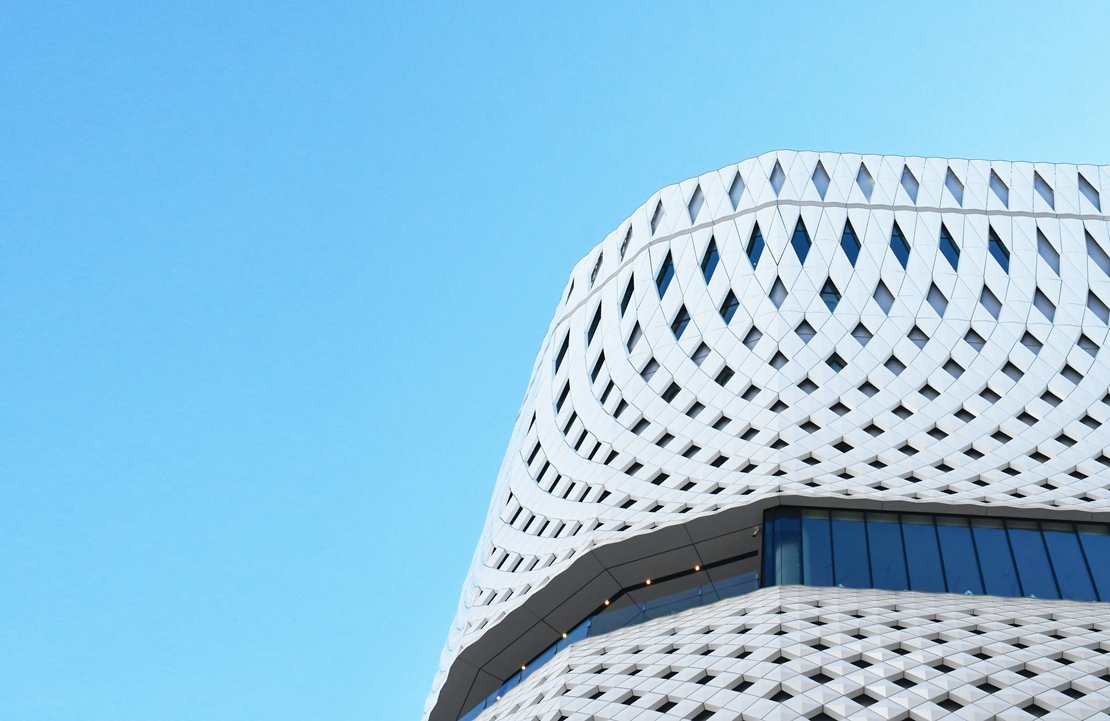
272 280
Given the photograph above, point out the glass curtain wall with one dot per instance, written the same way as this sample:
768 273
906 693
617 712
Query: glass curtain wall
938 554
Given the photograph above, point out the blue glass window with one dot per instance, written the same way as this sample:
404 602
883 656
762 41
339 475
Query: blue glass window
999 575
681 320
666 272
1067 559
593 325
888 558
628 295
1034 570
849 242
899 245
948 248
923 554
728 308
998 249
755 246
961 566
1096 547
830 294
788 532
709 260
853 569
801 241
817 562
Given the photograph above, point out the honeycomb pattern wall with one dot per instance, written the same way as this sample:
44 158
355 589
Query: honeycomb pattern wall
812 325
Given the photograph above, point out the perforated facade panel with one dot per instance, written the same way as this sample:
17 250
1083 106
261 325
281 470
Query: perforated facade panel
824 329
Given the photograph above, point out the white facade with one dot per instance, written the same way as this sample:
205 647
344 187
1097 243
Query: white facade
972 379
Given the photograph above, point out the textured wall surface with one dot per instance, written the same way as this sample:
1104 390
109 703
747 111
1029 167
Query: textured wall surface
794 652
964 367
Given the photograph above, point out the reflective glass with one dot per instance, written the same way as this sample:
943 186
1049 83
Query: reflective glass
888 559
1033 567
995 559
817 565
1096 547
961 569
770 578
755 246
1067 560
850 550
788 564
923 554
850 243
709 260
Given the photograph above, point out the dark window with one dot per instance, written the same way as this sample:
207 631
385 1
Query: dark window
1033 567
853 570
755 246
1096 547
663 277
899 245
849 242
923 554
709 260
888 559
999 575
830 294
628 295
948 247
1067 559
817 563
998 249
801 241
961 567
728 308
562 353
681 320
593 325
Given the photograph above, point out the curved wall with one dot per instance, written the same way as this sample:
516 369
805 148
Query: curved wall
953 355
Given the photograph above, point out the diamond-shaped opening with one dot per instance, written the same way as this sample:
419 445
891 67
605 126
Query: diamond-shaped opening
626 241
649 369
849 243
800 241
724 376
899 245
752 338
839 408
721 422
954 369
777 177
863 699
710 259
821 180
830 294
1099 308
884 297
894 365
929 392
955 187
868 389
697 200
1044 305
861 334
778 293
1047 252
901 411
1034 710
656 216
750 393
948 248
998 249
1088 345
1089 192
1000 189
778 360
836 362
909 183
805 331
975 340
628 291
990 302
1034 345
700 354
918 336
681 320
1044 190
736 190
755 246
729 306
937 300
807 385
665 274
865 182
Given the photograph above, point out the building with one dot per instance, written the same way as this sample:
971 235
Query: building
812 436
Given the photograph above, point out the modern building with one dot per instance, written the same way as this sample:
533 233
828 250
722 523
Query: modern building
812 436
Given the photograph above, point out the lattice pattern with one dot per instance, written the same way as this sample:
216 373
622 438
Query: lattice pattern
822 325
795 652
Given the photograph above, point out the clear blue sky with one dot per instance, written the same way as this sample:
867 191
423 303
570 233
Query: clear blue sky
272 280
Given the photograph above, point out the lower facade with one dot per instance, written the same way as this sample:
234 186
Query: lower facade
792 652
